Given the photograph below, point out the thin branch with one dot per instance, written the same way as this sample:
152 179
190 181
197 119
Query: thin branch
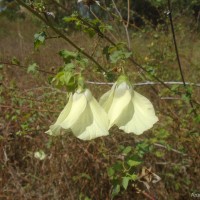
174 150
153 76
86 22
177 55
113 43
97 30
125 25
48 23
94 15
147 83
116 16
128 13
52 37
170 98
175 44
111 83
22 66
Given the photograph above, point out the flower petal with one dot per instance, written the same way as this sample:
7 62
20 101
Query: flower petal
64 113
91 132
79 103
84 121
55 128
126 115
93 122
107 98
100 116
121 98
144 115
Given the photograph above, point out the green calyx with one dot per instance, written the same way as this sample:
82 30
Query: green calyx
81 83
123 78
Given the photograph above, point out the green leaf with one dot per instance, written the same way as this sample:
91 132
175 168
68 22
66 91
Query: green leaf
125 182
67 79
185 97
32 68
110 171
68 56
90 31
133 163
127 150
39 39
127 54
162 134
151 69
119 55
175 88
115 190
118 166
142 148
116 56
70 18
15 61
159 154
104 27
133 177
197 118
69 67
83 62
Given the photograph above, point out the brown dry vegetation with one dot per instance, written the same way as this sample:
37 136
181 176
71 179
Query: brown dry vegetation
73 167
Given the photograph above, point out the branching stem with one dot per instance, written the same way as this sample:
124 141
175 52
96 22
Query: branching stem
114 44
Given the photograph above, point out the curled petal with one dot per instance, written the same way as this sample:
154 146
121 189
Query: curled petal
100 116
84 121
126 115
106 100
144 115
93 122
55 128
118 105
79 104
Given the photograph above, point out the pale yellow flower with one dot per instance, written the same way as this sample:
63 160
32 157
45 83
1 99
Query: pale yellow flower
84 116
56 128
129 110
